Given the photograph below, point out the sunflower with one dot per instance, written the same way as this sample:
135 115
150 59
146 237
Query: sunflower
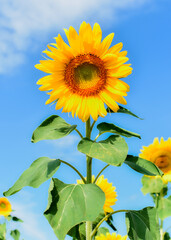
5 207
160 154
109 191
85 75
109 236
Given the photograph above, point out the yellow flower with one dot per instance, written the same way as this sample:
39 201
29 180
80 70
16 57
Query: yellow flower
109 236
5 207
85 75
160 154
109 191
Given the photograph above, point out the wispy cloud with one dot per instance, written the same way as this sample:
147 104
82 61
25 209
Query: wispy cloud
22 22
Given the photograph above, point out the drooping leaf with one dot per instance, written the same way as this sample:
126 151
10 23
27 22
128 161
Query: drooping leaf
143 224
3 231
15 234
16 219
143 166
123 110
164 207
113 150
71 204
53 127
40 171
102 230
151 184
109 127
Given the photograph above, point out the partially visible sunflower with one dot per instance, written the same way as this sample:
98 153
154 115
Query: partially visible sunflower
160 154
109 191
5 207
109 236
86 73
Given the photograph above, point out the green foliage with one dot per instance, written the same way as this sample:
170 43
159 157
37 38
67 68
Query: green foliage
109 127
167 236
71 204
151 185
3 231
15 234
53 127
143 166
123 110
164 207
40 171
113 150
16 219
143 224
102 230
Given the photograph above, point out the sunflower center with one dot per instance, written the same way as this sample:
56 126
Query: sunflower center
162 161
86 75
2 205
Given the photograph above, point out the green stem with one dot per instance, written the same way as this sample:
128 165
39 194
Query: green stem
161 231
104 219
91 128
100 135
89 177
74 170
100 173
78 133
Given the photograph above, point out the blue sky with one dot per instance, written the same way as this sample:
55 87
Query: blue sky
26 27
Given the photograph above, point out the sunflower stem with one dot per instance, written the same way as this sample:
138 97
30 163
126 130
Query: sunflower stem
81 136
100 173
89 177
104 219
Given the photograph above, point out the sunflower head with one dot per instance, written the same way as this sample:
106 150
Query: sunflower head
109 191
159 152
85 75
5 207
109 236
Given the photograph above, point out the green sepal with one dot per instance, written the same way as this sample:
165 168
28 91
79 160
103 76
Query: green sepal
71 204
143 224
143 166
109 127
152 185
123 110
15 234
113 150
40 171
164 207
53 127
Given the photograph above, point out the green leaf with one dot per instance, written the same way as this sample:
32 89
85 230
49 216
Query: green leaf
113 150
151 185
123 110
16 219
167 236
102 230
71 204
3 231
53 127
143 224
143 166
40 171
15 234
164 207
109 127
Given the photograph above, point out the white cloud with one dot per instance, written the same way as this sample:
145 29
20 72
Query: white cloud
24 21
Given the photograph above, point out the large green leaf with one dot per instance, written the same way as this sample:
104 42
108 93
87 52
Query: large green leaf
143 224
53 127
3 231
143 166
109 127
113 150
152 185
164 207
71 204
40 171
123 110
15 234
